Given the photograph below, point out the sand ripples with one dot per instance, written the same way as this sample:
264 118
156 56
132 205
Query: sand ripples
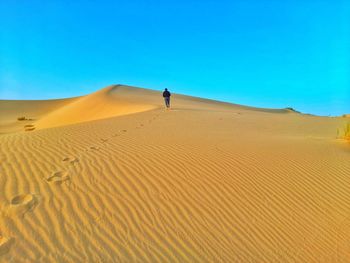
126 192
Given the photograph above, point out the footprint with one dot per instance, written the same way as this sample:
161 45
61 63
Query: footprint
124 130
22 203
104 140
58 177
70 160
29 127
5 244
94 148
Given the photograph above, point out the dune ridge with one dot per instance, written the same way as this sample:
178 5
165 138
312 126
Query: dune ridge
111 101
203 182
104 103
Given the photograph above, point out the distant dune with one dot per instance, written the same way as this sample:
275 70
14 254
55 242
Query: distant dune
112 101
114 177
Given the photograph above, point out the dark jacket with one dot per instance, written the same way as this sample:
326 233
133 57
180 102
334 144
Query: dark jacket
166 94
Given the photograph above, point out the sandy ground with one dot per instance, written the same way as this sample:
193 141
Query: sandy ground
114 177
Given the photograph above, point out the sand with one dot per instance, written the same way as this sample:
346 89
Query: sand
114 177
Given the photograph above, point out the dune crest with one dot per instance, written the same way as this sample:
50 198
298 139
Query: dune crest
104 103
111 101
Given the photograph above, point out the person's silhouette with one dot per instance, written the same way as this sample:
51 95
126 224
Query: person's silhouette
166 96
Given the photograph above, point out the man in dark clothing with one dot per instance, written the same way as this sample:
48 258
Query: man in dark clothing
166 96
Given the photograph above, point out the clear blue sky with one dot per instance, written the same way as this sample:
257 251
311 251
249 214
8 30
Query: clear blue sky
267 53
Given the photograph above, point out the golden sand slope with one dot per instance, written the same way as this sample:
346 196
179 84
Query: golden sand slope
203 182
32 111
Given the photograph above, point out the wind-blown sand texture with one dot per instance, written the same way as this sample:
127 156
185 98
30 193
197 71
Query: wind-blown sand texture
114 177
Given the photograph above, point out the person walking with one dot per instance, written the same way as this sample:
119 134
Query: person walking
166 96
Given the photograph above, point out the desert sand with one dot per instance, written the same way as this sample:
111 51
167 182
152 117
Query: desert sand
115 177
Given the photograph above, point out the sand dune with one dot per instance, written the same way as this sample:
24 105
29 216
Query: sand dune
108 102
114 177
112 101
